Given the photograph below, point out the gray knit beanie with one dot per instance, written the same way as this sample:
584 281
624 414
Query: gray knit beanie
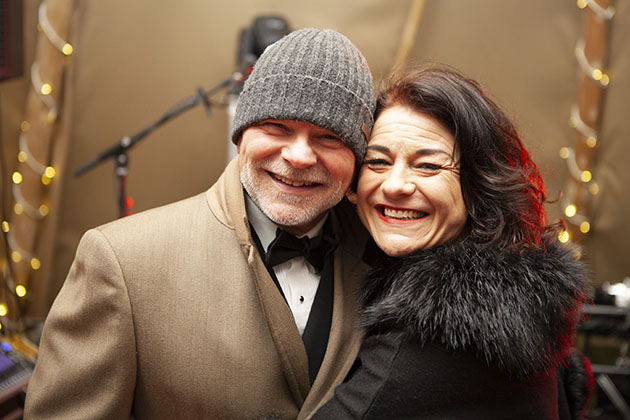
311 75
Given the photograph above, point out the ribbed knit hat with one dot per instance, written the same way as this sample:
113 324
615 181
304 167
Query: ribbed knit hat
311 75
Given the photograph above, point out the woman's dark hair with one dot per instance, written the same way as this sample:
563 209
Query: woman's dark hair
502 188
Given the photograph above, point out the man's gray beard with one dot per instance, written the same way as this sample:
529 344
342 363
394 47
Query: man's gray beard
271 203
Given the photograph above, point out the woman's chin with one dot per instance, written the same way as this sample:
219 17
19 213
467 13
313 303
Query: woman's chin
397 248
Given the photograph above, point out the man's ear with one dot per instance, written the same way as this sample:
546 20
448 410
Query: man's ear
352 196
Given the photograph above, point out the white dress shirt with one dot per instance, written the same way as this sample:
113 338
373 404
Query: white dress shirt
297 277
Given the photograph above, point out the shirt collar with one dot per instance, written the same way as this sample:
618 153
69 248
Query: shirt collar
266 229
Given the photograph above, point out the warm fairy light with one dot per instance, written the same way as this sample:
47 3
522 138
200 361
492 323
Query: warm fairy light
605 80
18 209
5 226
16 257
563 236
585 227
570 210
581 4
46 89
586 176
67 49
35 264
3 309
25 126
564 152
573 122
16 177
22 156
597 74
44 210
591 142
46 180
593 188
51 116
20 290
50 172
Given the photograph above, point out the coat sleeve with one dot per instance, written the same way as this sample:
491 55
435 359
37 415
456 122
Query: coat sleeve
86 366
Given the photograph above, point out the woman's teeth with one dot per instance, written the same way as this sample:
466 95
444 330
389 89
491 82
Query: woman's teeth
403 214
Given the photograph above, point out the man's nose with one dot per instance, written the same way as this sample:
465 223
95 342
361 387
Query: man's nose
398 182
299 151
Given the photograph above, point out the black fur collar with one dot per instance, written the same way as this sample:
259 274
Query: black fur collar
516 310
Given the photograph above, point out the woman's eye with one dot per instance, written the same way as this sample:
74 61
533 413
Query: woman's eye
429 168
375 162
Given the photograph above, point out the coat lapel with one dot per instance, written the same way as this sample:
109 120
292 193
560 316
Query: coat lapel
230 203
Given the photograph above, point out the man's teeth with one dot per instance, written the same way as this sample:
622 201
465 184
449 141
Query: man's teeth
403 214
293 183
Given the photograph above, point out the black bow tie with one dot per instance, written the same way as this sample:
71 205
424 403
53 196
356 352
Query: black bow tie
286 246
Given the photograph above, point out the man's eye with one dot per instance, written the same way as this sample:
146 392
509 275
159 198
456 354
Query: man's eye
331 140
276 127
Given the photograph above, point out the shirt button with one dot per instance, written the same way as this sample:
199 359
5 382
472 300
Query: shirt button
301 299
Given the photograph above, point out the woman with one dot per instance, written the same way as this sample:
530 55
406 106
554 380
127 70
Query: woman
471 313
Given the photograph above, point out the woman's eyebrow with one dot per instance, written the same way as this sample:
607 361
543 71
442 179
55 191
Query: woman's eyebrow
378 148
423 152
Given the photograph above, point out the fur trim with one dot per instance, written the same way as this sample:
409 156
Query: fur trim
516 310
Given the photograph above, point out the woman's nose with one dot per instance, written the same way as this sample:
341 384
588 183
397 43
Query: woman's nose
398 183
299 151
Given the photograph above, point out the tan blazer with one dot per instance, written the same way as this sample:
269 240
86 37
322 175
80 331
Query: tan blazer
171 314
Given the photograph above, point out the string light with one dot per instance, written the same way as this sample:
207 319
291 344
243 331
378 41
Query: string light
16 177
594 73
67 49
585 227
25 207
35 264
52 35
593 188
39 87
45 89
23 254
578 174
570 210
601 13
20 290
16 257
44 210
575 121
564 237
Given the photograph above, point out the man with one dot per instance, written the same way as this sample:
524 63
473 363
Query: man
189 311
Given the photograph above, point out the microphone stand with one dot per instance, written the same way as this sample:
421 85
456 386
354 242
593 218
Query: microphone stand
119 150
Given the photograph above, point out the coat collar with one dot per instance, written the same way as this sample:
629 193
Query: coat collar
516 310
